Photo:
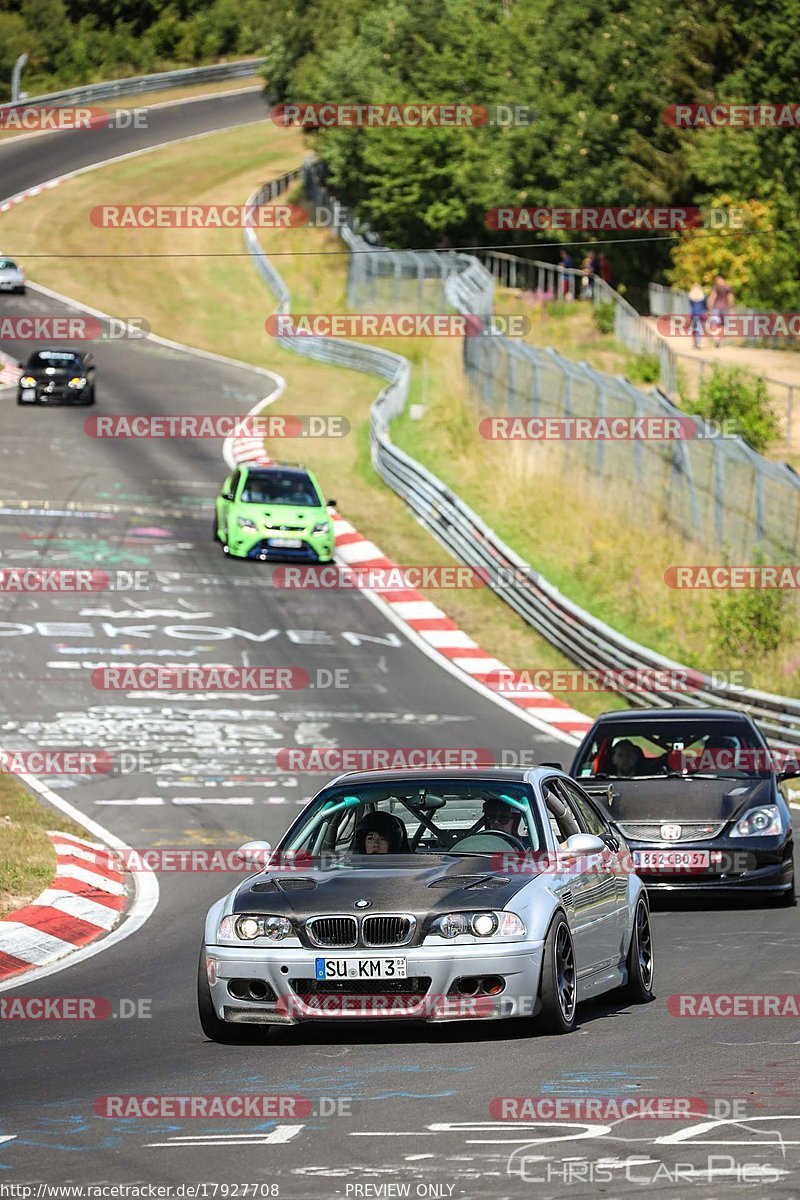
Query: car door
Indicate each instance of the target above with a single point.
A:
(573, 888)
(596, 822)
(223, 501)
(601, 881)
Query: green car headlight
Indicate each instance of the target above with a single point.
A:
(322, 527)
(245, 523)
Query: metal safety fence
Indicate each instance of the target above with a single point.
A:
(714, 490)
(467, 285)
(161, 80)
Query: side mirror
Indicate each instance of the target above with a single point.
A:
(792, 772)
(255, 855)
(22, 365)
(557, 765)
(330, 503)
(585, 844)
(227, 496)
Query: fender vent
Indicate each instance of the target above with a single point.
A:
(566, 896)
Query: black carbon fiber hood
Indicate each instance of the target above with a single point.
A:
(439, 884)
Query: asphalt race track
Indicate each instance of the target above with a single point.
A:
(404, 1106)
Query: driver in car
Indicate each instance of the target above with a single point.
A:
(501, 817)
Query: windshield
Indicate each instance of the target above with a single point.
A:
(6, 264)
(53, 358)
(281, 487)
(640, 749)
(368, 825)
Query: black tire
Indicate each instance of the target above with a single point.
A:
(214, 1029)
(640, 960)
(215, 528)
(558, 987)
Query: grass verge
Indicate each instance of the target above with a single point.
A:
(27, 858)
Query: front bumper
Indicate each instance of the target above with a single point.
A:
(12, 285)
(737, 865)
(518, 964)
(59, 396)
(313, 548)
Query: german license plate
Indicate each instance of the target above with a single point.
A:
(360, 968)
(285, 543)
(671, 860)
(29, 393)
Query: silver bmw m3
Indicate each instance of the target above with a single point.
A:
(431, 895)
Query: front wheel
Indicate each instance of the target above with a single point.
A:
(558, 989)
(640, 963)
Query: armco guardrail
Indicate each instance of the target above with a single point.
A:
(142, 83)
(585, 640)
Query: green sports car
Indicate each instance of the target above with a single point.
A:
(274, 512)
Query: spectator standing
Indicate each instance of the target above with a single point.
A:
(592, 270)
(605, 269)
(721, 303)
(698, 307)
(566, 263)
(586, 277)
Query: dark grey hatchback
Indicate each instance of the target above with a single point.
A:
(57, 377)
(695, 793)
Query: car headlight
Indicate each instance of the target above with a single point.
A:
(764, 821)
(479, 924)
(27, 381)
(322, 527)
(247, 928)
(245, 523)
(77, 381)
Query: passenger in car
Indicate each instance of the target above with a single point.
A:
(381, 833)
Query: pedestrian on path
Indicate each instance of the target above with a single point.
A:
(698, 307)
(721, 303)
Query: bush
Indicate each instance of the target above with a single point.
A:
(645, 368)
(742, 400)
(748, 623)
(604, 316)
